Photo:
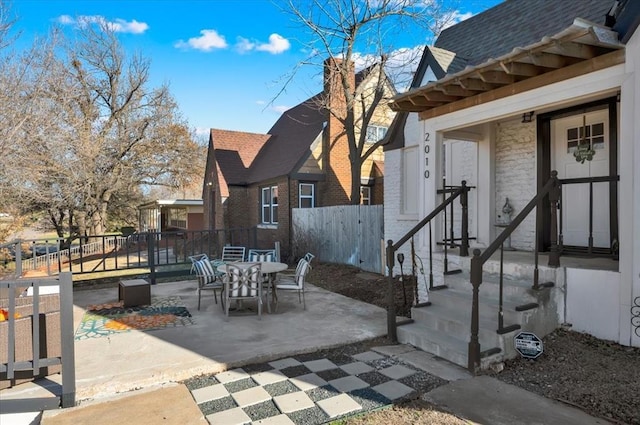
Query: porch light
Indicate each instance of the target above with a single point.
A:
(527, 117)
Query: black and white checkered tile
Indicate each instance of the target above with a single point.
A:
(304, 389)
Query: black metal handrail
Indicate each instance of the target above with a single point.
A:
(550, 189)
(461, 192)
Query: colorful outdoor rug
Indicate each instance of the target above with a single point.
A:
(111, 318)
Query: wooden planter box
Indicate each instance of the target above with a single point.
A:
(49, 337)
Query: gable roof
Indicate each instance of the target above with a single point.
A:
(246, 158)
(576, 49)
(235, 152)
(291, 139)
(514, 23)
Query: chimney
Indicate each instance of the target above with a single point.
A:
(338, 184)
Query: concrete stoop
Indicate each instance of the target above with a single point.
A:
(443, 328)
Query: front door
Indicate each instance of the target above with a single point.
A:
(579, 219)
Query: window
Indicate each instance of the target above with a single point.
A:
(594, 137)
(269, 205)
(306, 196)
(375, 133)
(177, 217)
(410, 179)
(365, 195)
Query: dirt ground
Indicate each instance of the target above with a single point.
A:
(600, 377)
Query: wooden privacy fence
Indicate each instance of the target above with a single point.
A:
(345, 234)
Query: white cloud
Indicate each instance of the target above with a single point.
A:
(280, 108)
(243, 45)
(455, 17)
(133, 27)
(65, 20)
(200, 131)
(118, 25)
(208, 40)
(277, 44)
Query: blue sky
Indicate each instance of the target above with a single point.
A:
(224, 60)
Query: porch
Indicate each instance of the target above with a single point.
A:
(517, 294)
(131, 360)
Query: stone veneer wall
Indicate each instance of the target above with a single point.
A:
(515, 176)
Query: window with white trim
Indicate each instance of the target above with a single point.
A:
(365, 195)
(410, 179)
(306, 195)
(375, 133)
(269, 205)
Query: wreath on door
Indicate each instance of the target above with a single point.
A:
(584, 151)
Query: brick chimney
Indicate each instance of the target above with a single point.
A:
(337, 188)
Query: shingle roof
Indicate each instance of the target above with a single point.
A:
(245, 158)
(508, 25)
(515, 23)
(235, 152)
(291, 138)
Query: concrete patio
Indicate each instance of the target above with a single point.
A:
(133, 360)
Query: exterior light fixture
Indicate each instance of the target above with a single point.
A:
(527, 117)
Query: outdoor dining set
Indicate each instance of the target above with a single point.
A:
(258, 275)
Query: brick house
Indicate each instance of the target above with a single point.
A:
(254, 180)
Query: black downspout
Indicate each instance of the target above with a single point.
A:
(290, 230)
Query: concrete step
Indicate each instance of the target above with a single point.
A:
(441, 344)
(458, 304)
(517, 265)
(514, 290)
(457, 322)
(444, 327)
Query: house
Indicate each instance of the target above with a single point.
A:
(501, 100)
(255, 180)
(166, 215)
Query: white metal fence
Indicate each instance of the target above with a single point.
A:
(345, 234)
(47, 255)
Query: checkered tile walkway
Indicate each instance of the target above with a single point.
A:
(302, 389)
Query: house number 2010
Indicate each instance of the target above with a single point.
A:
(427, 149)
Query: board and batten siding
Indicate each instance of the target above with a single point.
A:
(344, 234)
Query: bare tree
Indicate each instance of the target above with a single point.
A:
(106, 133)
(362, 33)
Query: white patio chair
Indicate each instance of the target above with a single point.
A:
(243, 283)
(208, 276)
(308, 257)
(233, 253)
(297, 282)
(195, 258)
(261, 255)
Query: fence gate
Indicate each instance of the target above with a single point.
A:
(345, 234)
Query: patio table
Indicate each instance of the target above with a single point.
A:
(270, 268)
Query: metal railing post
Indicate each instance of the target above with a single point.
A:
(473, 359)
(464, 202)
(554, 196)
(151, 258)
(18, 254)
(392, 333)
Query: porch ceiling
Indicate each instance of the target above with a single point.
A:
(582, 48)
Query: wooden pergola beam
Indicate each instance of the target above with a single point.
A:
(522, 69)
(581, 68)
